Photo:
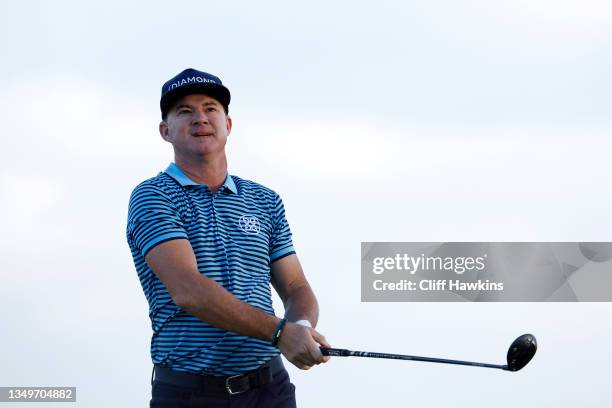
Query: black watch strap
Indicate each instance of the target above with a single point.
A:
(278, 331)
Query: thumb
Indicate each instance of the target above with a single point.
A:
(319, 338)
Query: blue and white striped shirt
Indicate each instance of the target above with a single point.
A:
(236, 234)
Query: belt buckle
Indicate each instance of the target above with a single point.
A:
(228, 387)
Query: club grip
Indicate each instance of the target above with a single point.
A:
(334, 352)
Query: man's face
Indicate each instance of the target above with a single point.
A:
(197, 127)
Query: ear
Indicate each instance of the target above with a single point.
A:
(228, 124)
(163, 130)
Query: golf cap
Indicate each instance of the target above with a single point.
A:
(189, 82)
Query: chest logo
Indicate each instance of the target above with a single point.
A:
(249, 224)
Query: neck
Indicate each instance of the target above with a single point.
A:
(204, 171)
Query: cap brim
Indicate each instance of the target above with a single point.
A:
(219, 92)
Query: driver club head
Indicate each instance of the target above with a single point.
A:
(521, 351)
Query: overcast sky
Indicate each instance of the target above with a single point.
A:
(375, 121)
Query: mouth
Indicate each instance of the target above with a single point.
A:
(202, 134)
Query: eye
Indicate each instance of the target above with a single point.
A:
(182, 111)
(212, 109)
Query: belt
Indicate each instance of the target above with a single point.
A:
(234, 384)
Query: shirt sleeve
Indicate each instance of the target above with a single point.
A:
(281, 245)
(153, 218)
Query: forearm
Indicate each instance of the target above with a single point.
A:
(300, 304)
(213, 304)
(299, 344)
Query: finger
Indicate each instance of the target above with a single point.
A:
(320, 358)
(313, 358)
(303, 366)
(319, 338)
(302, 363)
(316, 355)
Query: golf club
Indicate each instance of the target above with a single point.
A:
(521, 351)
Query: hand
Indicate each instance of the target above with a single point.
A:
(301, 346)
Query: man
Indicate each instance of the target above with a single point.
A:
(206, 246)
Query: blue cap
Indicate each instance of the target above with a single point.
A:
(189, 82)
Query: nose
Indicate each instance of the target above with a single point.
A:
(199, 118)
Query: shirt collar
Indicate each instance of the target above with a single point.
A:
(176, 173)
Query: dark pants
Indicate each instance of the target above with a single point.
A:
(280, 393)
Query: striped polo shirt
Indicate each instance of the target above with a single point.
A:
(236, 234)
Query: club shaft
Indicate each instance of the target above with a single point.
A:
(349, 353)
